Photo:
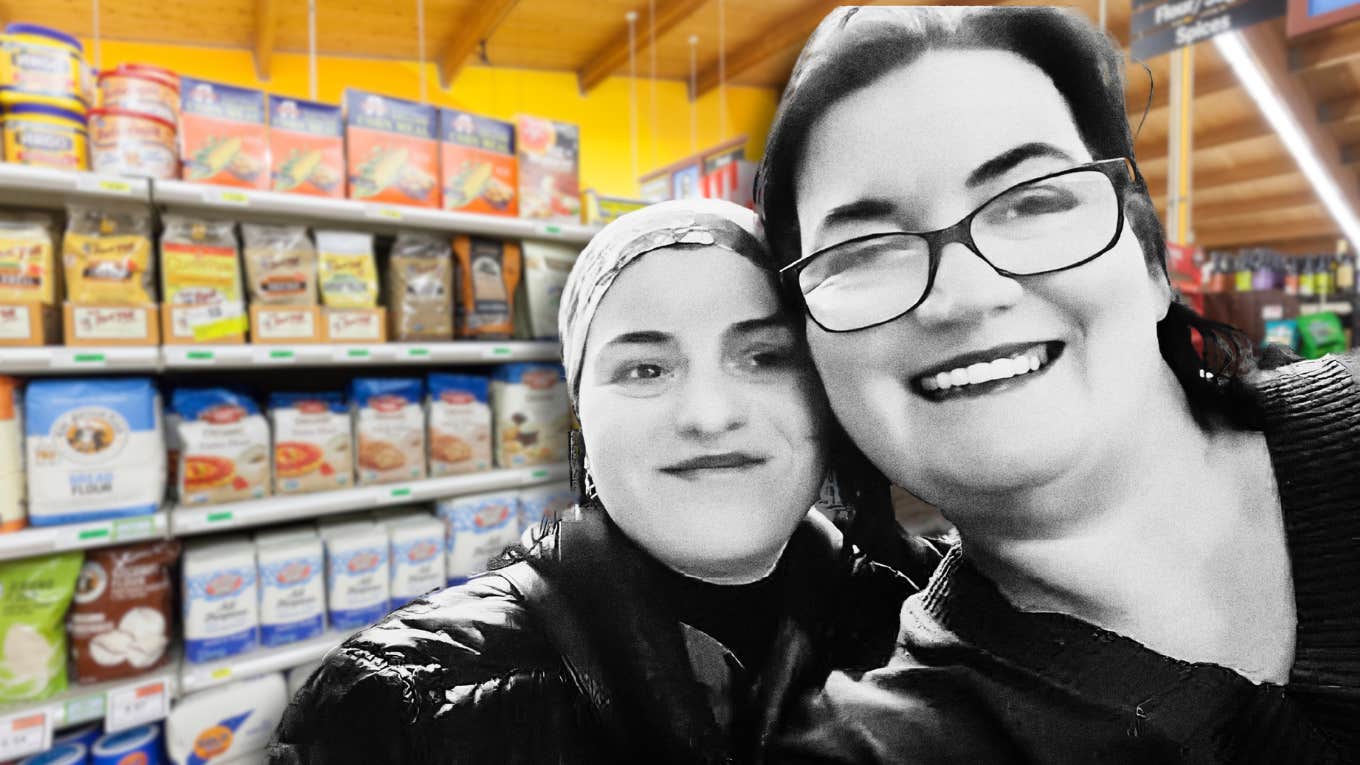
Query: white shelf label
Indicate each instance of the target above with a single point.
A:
(134, 705)
(393, 494)
(226, 197)
(497, 352)
(385, 213)
(24, 734)
(275, 356)
(99, 185)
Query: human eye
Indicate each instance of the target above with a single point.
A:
(1033, 201)
(639, 372)
(845, 265)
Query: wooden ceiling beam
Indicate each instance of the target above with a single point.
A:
(1204, 214)
(1206, 86)
(1238, 235)
(613, 55)
(1217, 139)
(469, 33)
(1332, 50)
(790, 31)
(1214, 179)
(1339, 111)
(266, 30)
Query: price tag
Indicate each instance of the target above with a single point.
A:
(101, 532)
(352, 354)
(496, 352)
(275, 356)
(1272, 312)
(134, 705)
(400, 494)
(417, 353)
(210, 322)
(225, 517)
(84, 709)
(221, 673)
(201, 356)
(538, 475)
(97, 184)
(388, 213)
(550, 229)
(86, 360)
(134, 528)
(24, 734)
(226, 197)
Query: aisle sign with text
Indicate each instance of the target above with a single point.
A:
(1161, 26)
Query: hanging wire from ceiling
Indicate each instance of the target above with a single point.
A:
(420, 47)
(722, 69)
(98, 51)
(693, 98)
(631, 16)
(656, 110)
(311, 49)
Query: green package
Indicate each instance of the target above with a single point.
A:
(34, 594)
(1320, 334)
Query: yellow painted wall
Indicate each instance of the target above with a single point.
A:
(603, 114)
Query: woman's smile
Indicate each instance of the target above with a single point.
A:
(990, 371)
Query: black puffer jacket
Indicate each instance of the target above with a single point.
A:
(570, 657)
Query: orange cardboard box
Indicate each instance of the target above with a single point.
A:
(355, 325)
(285, 324)
(477, 160)
(306, 147)
(392, 150)
(28, 324)
(222, 135)
(111, 325)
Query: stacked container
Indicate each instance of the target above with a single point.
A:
(135, 130)
(45, 91)
(12, 480)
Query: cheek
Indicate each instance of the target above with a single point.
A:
(863, 371)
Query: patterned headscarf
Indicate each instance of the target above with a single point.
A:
(699, 222)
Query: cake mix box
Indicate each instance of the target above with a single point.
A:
(392, 149)
(477, 159)
(460, 424)
(222, 134)
(389, 429)
(223, 446)
(549, 169)
(306, 147)
(313, 442)
(532, 414)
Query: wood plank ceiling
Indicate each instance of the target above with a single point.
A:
(1247, 189)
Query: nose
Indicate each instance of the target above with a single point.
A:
(710, 404)
(966, 289)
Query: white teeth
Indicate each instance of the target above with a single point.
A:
(986, 371)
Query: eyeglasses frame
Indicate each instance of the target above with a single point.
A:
(961, 232)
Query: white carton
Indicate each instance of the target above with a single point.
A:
(417, 557)
(357, 576)
(232, 722)
(221, 599)
(477, 528)
(292, 586)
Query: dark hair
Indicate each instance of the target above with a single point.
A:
(855, 47)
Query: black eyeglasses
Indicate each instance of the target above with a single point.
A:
(1052, 223)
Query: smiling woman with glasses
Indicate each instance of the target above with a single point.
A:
(1160, 550)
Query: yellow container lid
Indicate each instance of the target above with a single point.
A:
(11, 98)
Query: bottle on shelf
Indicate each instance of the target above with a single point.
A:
(1243, 272)
(1307, 277)
(1291, 275)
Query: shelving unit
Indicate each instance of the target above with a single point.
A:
(189, 521)
(43, 540)
(271, 206)
(197, 677)
(41, 187)
(62, 359)
(81, 704)
(184, 357)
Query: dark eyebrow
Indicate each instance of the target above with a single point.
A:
(773, 321)
(640, 338)
(859, 210)
(1005, 162)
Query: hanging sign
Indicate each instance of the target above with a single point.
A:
(1161, 26)
(1306, 16)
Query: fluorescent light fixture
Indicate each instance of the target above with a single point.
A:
(1235, 50)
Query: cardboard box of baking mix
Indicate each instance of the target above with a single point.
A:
(549, 169)
(29, 324)
(222, 134)
(392, 149)
(111, 325)
(306, 147)
(477, 159)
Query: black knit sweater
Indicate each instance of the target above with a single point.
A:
(977, 680)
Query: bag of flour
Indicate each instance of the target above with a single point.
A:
(94, 449)
(221, 599)
(389, 429)
(34, 594)
(121, 618)
(460, 424)
(223, 447)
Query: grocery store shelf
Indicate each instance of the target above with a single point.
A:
(47, 188)
(53, 359)
(197, 677)
(313, 210)
(187, 521)
(43, 540)
(314, 355)
(80, 704)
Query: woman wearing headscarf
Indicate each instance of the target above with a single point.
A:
(1160, 550)
(691, 592)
